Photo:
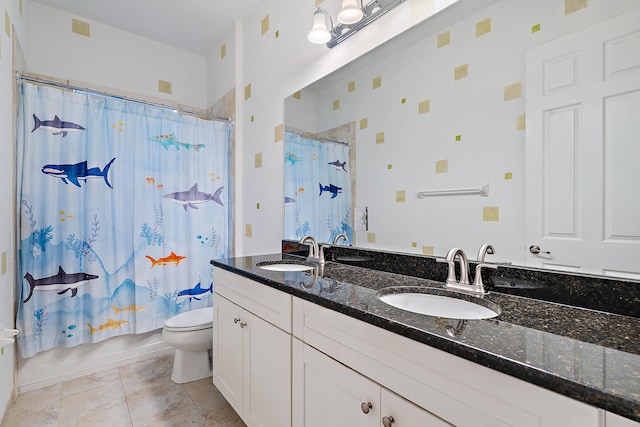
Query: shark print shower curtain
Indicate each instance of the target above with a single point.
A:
(317, 188)
(121, 207)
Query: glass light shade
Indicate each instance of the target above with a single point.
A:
(319, 32)
(350, 13)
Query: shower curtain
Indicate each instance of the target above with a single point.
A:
(317, 188)
(121, 207)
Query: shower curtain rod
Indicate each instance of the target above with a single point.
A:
(54, 83)
(314, 137)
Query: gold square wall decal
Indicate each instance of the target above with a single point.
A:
(513, 91)
(364, 123)
(571, 6)
(401, 196)
(265, 25)
(444, 39)
(521, 122)
(258, 160)
(278, 133)
(248, 230)
(427, 250)
(77, 26)
(460, 72)
(508, 175)
(351, 86)
(297, 95)
(371, 237)
(223, 51)
(377, 82)
(336, 105)
(442, 166)
(164, 86)
(247, 91)
(483, 27)
(424, 106)
(490, 213)
(379, 137)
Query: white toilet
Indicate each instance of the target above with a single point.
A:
(191, 334)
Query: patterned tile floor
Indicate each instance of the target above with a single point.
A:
(139, 394)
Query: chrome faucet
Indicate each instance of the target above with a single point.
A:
(338, 237)
(462, 284)
(315, 256)
(484, 250)
(452, 281)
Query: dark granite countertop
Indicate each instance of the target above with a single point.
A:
(585, 354)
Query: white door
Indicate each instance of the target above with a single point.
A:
(267, 373)
(327, 393)
(583, 150)
(227, 351)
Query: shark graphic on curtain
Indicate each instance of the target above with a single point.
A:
(121, 207)
(317, 188)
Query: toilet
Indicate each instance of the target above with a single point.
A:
(191, 334)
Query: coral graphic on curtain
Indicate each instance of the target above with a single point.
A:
(317, 188)
(121, 207)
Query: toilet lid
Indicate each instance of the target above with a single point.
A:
(195, 319)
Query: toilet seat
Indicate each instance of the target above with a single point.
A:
(194, 320)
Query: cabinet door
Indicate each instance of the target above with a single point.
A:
(327, 393)
(400, 412)
(267, 373)
(227, 351)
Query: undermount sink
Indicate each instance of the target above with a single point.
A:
(439, 303)
(284, 266)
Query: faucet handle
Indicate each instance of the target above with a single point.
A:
(477, 280)
(451, 275)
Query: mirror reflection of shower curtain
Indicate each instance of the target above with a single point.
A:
(121, 207)
(317, 187)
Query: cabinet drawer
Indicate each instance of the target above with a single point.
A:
(270, 304)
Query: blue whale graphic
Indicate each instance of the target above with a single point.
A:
(74, 173)
(56, 126)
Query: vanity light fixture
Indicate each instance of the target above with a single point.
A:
(352, 17)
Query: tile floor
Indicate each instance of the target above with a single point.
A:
(139, 394)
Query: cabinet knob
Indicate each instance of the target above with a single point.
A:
(365, 406)
(243, 324)
(387, 421)
(236, 320)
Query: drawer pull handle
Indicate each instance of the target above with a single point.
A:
(387, 421)
(365, 406)
(243, 324)
(236, 320)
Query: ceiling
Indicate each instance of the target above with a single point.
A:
(193, 25)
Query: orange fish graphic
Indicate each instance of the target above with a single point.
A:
(111, 324)
(171, 259)
(132, 307)
(150, 180)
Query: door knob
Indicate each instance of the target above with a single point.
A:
(365, 406)
(535, 249)
(387, 421)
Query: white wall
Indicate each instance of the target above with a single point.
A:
(282, 61)
(277, 63)
(114, 59)
(14, 12)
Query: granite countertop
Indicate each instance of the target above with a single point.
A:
(588, 355)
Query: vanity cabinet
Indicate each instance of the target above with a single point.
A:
(252, 349)
(453, 389)
(327, 393)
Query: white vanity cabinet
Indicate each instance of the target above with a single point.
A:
(453, 389)
(252, 349)
(327, 393)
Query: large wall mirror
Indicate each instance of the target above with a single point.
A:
(473, 130)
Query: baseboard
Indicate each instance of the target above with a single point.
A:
(63, 364)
